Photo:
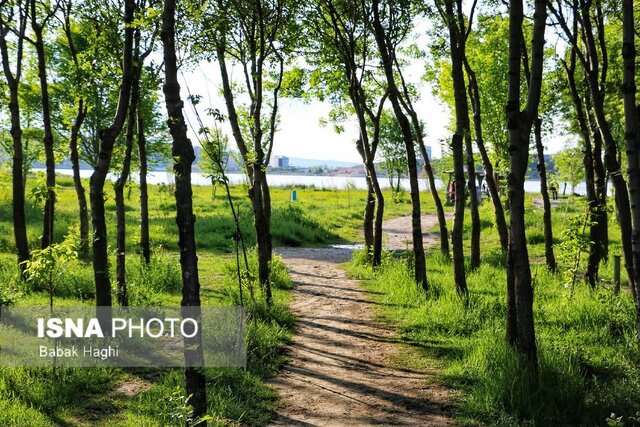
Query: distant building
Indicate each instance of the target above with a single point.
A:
(281, 162)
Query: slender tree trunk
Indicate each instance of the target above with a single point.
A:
(461, 136)
(472, 185)
(145, 245)
(519, 124)
(96, 184)
(442, 220)
(593, 263)
(544, 191)
(369, 209)
(474, 96)
(50, 163)
(83, 211)
(602, 217)
(377, 235)
(18, 182)
(184, 156)
(457, 231)
(632, 137)
(416, 226)
(121, 219)
(369, 213)
(261, 201)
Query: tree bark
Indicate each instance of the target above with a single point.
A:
(369, 212)
(544, 191)
(48, 141)
(121, 219)
(416, 226)
(472, 185)
(461, 136)
(632, 137)
(474, 96)
(83, 211)
(184, 156)
(108, 137)
(519, 124)
(145, 245)
(13, 81)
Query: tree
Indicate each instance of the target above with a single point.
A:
(577, 115)
(520, 325)
(38, 27)
(583, 27)
(257, 36)
(394, 14)
(632, 137)
(135, 126)
(344, 48)
(96, 184)
(76, 125)
(184, 156)
(16, 13)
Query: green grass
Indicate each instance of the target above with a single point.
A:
(589, 363)
(90, 396)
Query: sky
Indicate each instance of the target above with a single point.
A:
(300, 133)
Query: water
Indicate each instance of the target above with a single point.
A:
(318, 181)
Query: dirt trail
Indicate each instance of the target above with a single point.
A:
(397, 231)
(339, 372)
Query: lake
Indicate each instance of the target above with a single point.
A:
(318, 181)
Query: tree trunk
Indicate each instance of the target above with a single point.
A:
(145, 246)
(183, 154)
(593, 263)
(632, 136)
(456, 46)
(83, 211)
(416, 229)
(260, 201)
(544, 191)
(442, 220)
(601, 192)
(459, 273)
(519, 123)
(121, 219)
(369, 212)
(108, 137)
(474, 96)
(50, 163)
(18, 183)
(472, 185)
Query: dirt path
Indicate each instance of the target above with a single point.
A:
(397, 231)
(339, 372)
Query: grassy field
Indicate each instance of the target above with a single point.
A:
(92, 396)
(589, 359)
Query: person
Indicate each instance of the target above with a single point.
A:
(554, 192)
